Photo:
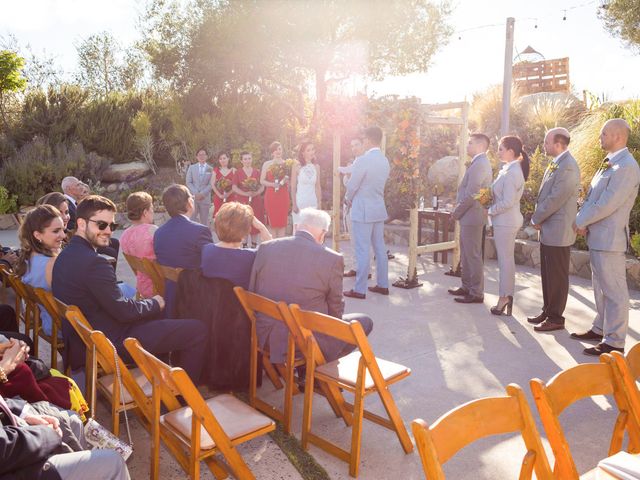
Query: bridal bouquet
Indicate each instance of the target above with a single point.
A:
(281, 172)
(224, 185)
(251, 185)
(484, 196)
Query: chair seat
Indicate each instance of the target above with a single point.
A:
(236, 418)
(106, 382)
(345, 370)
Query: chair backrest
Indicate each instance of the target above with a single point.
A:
(152, 267)
(565, 388)
(80, 324)
(136, 264)
(169, 273)
(633, 360)
(479, 419)
(254, 303)
(48, 301)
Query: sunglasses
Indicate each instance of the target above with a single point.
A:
(102, 225)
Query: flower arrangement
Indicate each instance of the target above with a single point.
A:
(605, 165)
(251, 185)
(484, 196)
(281, 172)
(552, 167)
(224, 185)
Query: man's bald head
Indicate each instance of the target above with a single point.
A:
(556, 141)
(614, 135)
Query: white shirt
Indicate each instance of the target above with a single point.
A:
(555, 160)
(70, 198)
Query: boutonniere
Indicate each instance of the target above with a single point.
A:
(605, 165)
(552, 167)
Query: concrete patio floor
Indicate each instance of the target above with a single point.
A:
(456, 353)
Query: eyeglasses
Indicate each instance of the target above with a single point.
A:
(102, 225)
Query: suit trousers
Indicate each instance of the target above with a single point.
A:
(505, 240)
(367, 235)
(471, 259)
(201, 213)
(554, 270)
(185, 339)
(89, 465)
(609, 277)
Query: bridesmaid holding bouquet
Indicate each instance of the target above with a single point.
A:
(222, 181)
(248, 190)
(275, 177)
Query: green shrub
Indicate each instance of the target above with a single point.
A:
(537, 165)
(8, 203)
(37, 168)
(635, 244)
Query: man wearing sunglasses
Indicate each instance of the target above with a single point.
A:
(83, 278)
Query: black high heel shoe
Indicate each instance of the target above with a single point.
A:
(497, 310)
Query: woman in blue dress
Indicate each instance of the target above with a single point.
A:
(41, 235)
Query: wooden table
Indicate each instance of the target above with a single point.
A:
(441, 220)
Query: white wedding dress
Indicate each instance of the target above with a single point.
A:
(306, 189)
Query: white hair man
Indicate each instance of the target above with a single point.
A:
(73, 190)
(300, 269)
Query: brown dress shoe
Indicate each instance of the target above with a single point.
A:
(469, 299)
(588, 336)
(380, 290)
(350, 273)
(458, 292)
(539, 319)
(353, 294)
(548, 326)
(600, 349)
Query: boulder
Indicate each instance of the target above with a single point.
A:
(633, 273)
(124, 172)
(444, 172)
(8, 221)
(112, 187)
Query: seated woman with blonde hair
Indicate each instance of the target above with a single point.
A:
(137, 240)
(227, 259)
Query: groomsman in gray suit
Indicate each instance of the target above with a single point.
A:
(604, 218)
(472, 217)
(555, 213)
(365, 196)
(199, 184)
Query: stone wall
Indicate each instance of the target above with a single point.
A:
(527, 252)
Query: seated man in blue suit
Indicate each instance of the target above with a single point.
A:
(178, 243)
(83, 278)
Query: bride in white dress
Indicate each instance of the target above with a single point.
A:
(305, 181)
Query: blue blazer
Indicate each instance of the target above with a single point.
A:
(178, 243)
(83, 278)
(365, 189)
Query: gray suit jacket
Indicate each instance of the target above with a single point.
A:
(605, 212)
(197, 183)
(507, 190)
(469, 211)
(558, 202)
(365, 189)
(296, 270)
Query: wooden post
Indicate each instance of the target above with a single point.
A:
(337, 204)
(506, 82)
(462, 155)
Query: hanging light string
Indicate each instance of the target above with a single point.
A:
(535, 20)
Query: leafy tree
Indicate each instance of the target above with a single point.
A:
(279, 47)
(622, 18)
(11, 79)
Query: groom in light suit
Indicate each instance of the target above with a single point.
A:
(365, 196)
(604, 218)
(555, 213)
(472, 217)
(199, 184)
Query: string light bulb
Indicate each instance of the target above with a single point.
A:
(565, 15)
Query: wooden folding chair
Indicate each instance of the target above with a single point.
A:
(169, 273)
(479, 419)
(32, 309)
(46, 300)
(565, 388)
(5, 271)
(202, 428)
(359, 372)
(626, 370)
(152, 267)
(252, 304)
(106, 381)
(22, 306)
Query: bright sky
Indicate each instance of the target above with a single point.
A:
(598, 62)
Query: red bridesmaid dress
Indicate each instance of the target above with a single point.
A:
(276, 204)
(217, 201)
(256, 202)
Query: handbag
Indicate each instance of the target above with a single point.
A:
(97, 436)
